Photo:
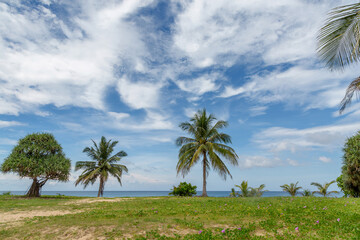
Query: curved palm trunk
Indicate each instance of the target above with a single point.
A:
(35, 188)
(204, 194)
(101, 187)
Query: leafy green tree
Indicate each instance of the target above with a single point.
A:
(340, 183)
(233, 193)
(339, 43)
(307, 193)
(244, 188)
(257, 192)
(351, 165)
(184, 189)
(39, 157)
(323, 188)
(292, 189)
(206, 142)
(103, 164)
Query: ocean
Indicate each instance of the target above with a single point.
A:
(112, 194)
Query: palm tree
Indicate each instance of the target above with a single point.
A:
(206, 142)
(307, 193)
(245, 190)
(292, 189)
(323, 188)
(339, 44)
(102, 165)
(233, 193)
(258, 192)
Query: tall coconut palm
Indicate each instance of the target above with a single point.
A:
(206, 143)
(244, 188)
(323, 188)
(292, 189)
(102, 166)
(257, 192)
(339, 43)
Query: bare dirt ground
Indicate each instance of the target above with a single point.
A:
(18, 216)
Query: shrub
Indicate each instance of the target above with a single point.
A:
(351, 166)
(184, 189)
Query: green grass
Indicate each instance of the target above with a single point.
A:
(183, 218)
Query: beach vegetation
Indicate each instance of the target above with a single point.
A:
(338, 44)
(103, 164)
(291, 188)
(184, 189)
(351, 166)
(40, 157)
(205, 143)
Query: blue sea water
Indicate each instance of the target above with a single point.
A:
(146, 193)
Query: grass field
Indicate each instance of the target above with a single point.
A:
(179, 218)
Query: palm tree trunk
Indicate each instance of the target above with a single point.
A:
(204, 194)
(101, 187)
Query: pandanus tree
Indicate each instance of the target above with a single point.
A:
(244, 188)
(339, 44)
(38, 156)
(102, 165)
(206, 143)
(292, 189)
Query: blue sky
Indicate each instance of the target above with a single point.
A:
(133, 70)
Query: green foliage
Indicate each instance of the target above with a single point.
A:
(184, 218)
(338, 43)
(6, 193)
(323, 188)
(102, 166)
(244, 188)
(40, 157)
(206, 143)
(292, 189)
(351, 165)
(257, 192)
(233, 193)
(184, 189)
(307, 193)
(340, 184)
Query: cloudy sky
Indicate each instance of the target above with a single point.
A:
(133, 70)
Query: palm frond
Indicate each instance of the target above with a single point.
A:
(339, 38)
(353, 88)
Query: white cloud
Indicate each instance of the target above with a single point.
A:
(200, 85)
(328, 137)
(139, 95)
(324, 159)
(258, 161)
(258, 110)
(119, 116)
(4, 124)
(218, 32)
(38, 68)
(7, 141)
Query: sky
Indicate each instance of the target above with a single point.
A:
(133, 70)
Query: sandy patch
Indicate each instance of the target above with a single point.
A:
(18, 216)
(96, 200)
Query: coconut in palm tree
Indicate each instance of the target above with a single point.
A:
(205, 144)
(292, 189)
(323, 188)
(102, 165)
